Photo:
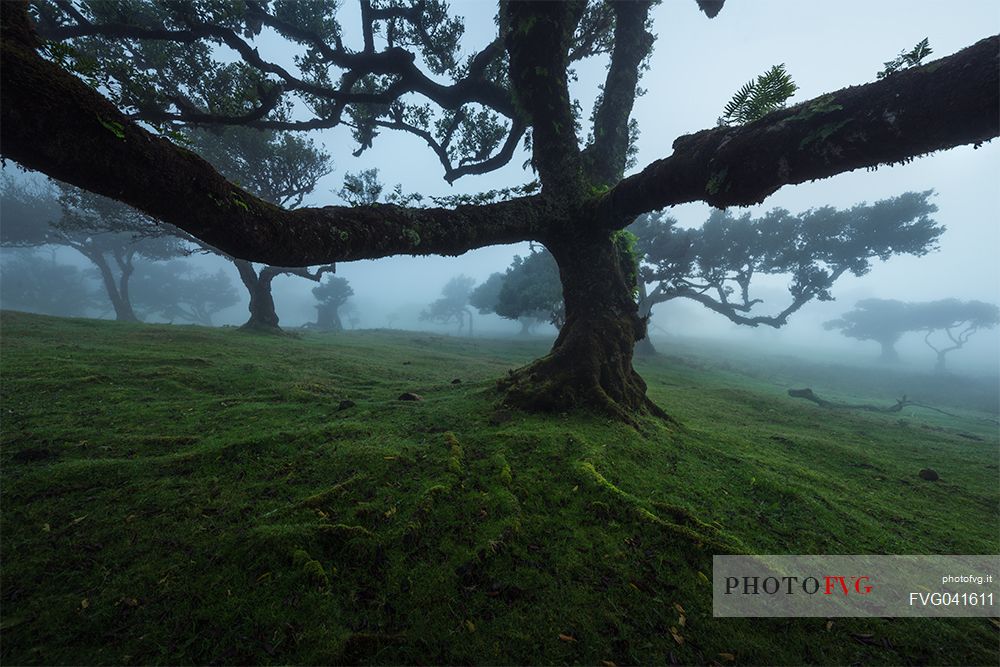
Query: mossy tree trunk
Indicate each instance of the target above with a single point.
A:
(590, 364)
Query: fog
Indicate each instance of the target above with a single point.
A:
(696, 67)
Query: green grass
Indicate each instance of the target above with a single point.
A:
(184, 495)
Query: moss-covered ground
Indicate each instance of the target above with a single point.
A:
(180, 495)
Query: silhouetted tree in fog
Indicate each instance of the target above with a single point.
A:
(529, 292)
(32, 282)
(958, 320)
(883, 321)
(279, 167)
(111, 235)
(178, 291)
(453, 306)
(717, 263)
(332, 294)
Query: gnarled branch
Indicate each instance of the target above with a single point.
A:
(43, 105)
(950, 102)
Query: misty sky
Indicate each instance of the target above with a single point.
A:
(696, 67)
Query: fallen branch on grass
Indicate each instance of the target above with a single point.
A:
(900, 403)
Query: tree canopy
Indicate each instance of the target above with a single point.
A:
(881, 320)
(453, 306)
(332, 294)
(528, 291)
(471, 111)
(716, 264)
(178, 292)
(110, 234)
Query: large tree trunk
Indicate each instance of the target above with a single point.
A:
(262, 314)
(590, 364)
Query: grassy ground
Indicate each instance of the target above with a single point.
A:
(186, 495)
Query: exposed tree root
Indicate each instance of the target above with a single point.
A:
(555, 384)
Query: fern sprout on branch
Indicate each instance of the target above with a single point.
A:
(759, 97)
(905, 60)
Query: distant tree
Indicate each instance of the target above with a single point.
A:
(881, 320)
(32, 282)
(885, 321)
(349, 312)
(332, 294)
(716, 263)
(959, 320)
(531, 291)
(485, 295)
(279, 167)
(109, 234)
(453, 304)
(178, 291)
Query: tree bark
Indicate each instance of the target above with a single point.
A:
(590, 364)
(263, 317)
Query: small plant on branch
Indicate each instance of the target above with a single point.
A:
(759, 97)
(907, 59)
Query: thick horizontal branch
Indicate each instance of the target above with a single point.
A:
(53, 122)
(947, 103)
